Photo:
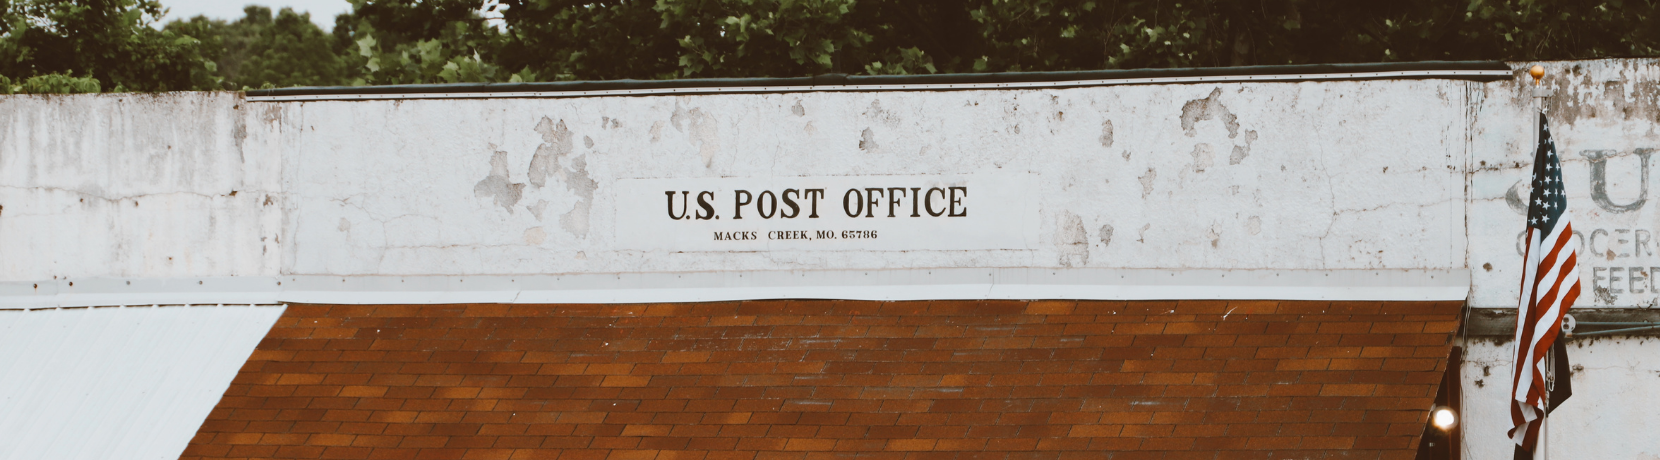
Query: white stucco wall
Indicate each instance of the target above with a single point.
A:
(1307, 178)
(1616, 382)
(1258, 176)
(132, 185)
(1608, 110)
(1604, 109)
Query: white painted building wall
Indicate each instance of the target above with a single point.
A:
(1126, 182)
(1150, 179)
(1383, 190)
(1604, 111)
(134, 185)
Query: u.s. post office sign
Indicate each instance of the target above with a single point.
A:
(891, 213)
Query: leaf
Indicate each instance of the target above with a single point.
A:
(451, 71)
(366, 45)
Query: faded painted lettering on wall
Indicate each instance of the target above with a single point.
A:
(957, 212)
(1618, 252)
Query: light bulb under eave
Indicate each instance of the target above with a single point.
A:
(1443, 418)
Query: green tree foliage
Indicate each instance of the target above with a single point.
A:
(55, 83)
(110, 41)
(1065, 35)
(726, 38)
(260, 50)
(707, 38)
(52, 83)
(442, 41)
(422, 41)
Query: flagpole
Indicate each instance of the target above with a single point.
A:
(1537, 106)
(1544, 420)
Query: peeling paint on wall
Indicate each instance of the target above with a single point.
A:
(867, 141)
(534, 236)
(1147, 181)
(537, 209)
(272, 114)
(1106, 135)
(1071, 241)
(875, 112)
(1203, 155)
(1621, 90)
(1209, 108)
(556, 144)
(496, 186)
(1242, 151)
(579, 182)
(703, 131)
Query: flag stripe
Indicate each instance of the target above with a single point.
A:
(1545, 317)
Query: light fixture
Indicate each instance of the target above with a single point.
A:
(1443, 418)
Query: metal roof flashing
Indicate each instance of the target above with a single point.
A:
(1481, 71)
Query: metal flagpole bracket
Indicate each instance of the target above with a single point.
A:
(1641, 326)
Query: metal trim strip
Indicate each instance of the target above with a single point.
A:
(1400, 74)
(906, 284)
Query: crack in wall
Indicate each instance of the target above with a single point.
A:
(120, 198)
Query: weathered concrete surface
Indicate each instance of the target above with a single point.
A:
(1233, 176)
(1605, 119)
(1614, 381)
(1605, 112)
(135, 185)
(1329, 175)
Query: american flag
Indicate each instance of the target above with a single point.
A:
(1550, 284)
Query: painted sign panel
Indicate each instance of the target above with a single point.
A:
(1603, 122)
(892, 213)
(1614, 229)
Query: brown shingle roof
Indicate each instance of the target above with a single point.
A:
(807, 380)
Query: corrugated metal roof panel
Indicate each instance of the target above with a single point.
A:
(132, 382)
